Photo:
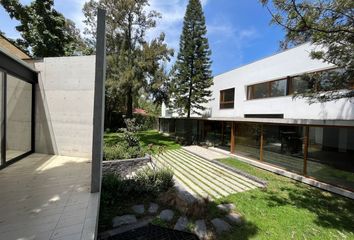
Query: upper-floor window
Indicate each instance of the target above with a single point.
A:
(227, 98)
(268, 89)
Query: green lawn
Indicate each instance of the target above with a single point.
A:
(157, 139)
(287, 209)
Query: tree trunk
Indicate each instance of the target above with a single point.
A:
(129, 103)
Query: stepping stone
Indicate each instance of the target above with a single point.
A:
(234, 218)
(153, 207)
(228, 207)
(139, 209)
(220, 225)
(200, 229)
(166, 215)
(181, 224)
(123, 220)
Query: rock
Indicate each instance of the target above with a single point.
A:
(234, 218)
(228, 207)
(200, 229)
(166, 215)
(220, 225)
(181, 224)
(153, 207)
(139, 209)
(123, 220)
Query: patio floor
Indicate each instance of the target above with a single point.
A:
(201, 177)
(47, 197)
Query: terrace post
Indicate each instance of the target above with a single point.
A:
(99, 98)
(306, 147)
(232, 141)
(261, 145)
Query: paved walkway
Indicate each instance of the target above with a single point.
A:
(47, 197)
(205, 153)
(201, 177)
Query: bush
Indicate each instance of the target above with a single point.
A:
(146, 182)
(131, 139)
(145, 122)
(127, 147)
(122, 151)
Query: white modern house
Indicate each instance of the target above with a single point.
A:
(253, 114)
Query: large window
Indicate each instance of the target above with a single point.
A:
(227, 98)
(331, 155)
(18, 117)
(267, 89)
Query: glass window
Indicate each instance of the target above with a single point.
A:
(278, 88)
(260, 91)
(283, 147)
(247, 140)
(299, 85)
(227, 98)
(331, 155)
(19, 117)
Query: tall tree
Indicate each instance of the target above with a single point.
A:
(134, 63)
(192, 76)
(330, 24)
(44, 31)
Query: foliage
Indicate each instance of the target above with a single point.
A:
(44, 31)
(192, 76)
(146, 182)
(328, 24)
(133, 63)
(122, 151)
(145, 122)
(287, 209)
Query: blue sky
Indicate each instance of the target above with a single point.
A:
(238, 30)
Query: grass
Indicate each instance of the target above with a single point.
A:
(157, 139)
(146, 137)
(287, 209)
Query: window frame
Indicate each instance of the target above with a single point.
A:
(223, 103)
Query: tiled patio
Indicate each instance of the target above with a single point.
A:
(47, 197)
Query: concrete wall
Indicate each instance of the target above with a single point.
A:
(288, 63)
(19, 117)
(64, 106)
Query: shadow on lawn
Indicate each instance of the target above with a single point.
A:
(155, 138)
(332, 210)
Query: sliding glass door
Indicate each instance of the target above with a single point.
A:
(18, 117)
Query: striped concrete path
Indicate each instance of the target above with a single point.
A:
(201, 177)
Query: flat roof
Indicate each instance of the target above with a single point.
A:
(284, 121)
(21, 62)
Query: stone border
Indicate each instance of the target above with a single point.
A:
(297, 177)
(249, 176)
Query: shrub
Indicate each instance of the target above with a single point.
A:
(131, 139)
(122, 151)
(146, 182)
(146, 122)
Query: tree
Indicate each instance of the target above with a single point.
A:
(192, 75)
(133, 62)
(44, 31)
(326, 23)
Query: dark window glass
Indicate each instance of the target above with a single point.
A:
(283, 147)
(260, 91)
(247, 140)
(278, 88)
(299, 85)
(227, 98)
(331, 155)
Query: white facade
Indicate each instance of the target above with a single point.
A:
(288, 63)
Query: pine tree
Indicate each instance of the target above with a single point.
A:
(192, 75)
